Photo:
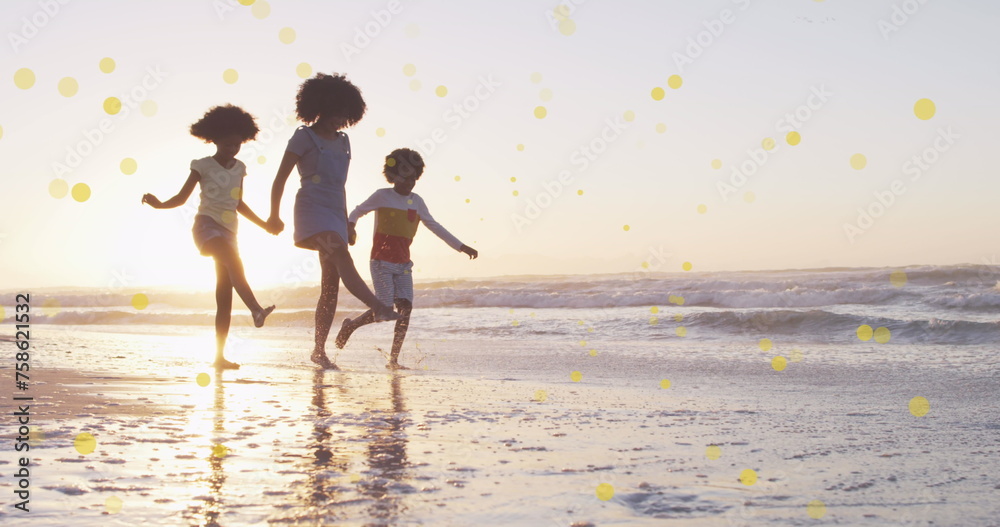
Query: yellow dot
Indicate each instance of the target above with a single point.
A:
(228, 216)
(716, 164)
(540, 112)
(380, 132)
(536, 77)
(286, 35)
(681, 331)
(467, 200)
(579, 192)
(580, 323)
(304, 70)
(107, 65)
(220, 451)
(316, 178)
(236, 193)
(924, 109)
(520, 148)
(865, 332)
(515, 323)
(626, 228)
(686, 266)
(112, 105)
(412, 31)
(230, 76)
(541, 396)
(3, 314)
(148, 107)
(779, 363)
(24, 78)
(567, 27)
(1, 132)
(409, 70)
(768, 144)
(661, 128)
(50, 307)
(629, 116)
(576, 376)
(85, 443)
(561, 12)
(58, 188)
(113, 505)
(415, 85)
(583, 343)
(128, 166)
(765, 344)
(882, 335)
(748, 477)
(713, 452)
(515, 193)
(458, 178)
(140, 301)
(261, 160)
(260, 9)
(816, 509)
(81, 192)
(593, 353)
(441, 91)
(897, 278)
(793, 138)
(795, 355)
(391, 162)
(655, 309)
(513, 179)
(859, 161)
(702, 209)
(678, 317)
(68, 86)
(605, 491)
(202, 379)
(247, 2)
(545, 95)
(675, 81)
(679, 300)
(657, 93)
(919, 406)
(664, 384)
(653, 321)
(749, 197)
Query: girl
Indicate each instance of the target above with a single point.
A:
(221, 179)
(322, 153)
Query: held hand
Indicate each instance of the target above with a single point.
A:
(152, 201)
(473, 254)
(352, 234)
(275, 225)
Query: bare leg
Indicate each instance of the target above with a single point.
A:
(352, 324)
(326, 308)
(332, 249)
(223, 315)
(227, 256)
(405, 307)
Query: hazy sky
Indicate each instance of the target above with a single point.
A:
(851, 70)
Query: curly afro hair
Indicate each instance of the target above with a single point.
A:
(403, 162)
(329, 95)
(222, 121)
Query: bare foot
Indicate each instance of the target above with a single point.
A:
(258, 317)
(223, 364)
(395, 366)
(323, 361)
(385, 314)
(346, 329)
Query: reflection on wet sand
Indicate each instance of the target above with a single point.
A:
(212, 503)
(387, 458)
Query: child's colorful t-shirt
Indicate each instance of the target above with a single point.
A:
(396, 220)
(220, 190)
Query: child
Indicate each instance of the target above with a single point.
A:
(221, 179)
(322, 153)
(398, 211)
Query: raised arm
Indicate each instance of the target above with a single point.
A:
(440, 231)
(278, 188)
(177, 200)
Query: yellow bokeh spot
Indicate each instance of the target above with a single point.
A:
(567, 27)
(653, 321)
(515, 323)
(85, 443)
(795, 355)
(467, 200)
(128, 166)
(304, 70)
(645, 265)
(748, 477)
(541, 396)
(148, 107)
(675, 81)
(58, 188)
(1, 132)
(236, 193)
(81, 192)
(140, 301)
(865, 332)
(68, 86)
(898, 278)
(664, 384)
(412, 30)
(661, 128)
(583, 343)
(749, 197)
(629, 115)
(702, 209)
(391, 162)
(924, 109)
(540, 112)
(686, 266)
(626, 228)
(768, 144)
(658, 93)
(228, 216)
(513, 179)
(779, 363)
(51, 307)
(107, 65)
(765, 344)
(202, 379)
(919, 406)
(859, 161)
(3, 314)
(793, 138)
(458, 178)
(520, 148)
(261, 160)
(24, 78)
(654, 310)
(561, 12)
(545, 95)
(576, 376)
(515, 193)
(441, 91)
(380, 132)
(536, 77)
(593, 353)
(579, 192)
(112, 105)
(247, 2)
(681, 331)
(816, 509)
(113, 505)
(409, 70)
(882, 335)
(230, 76)
(261, 9)
(678, 317)
(605, 491)
(415, 85)
(220, 451)
(286, 35)
(713, 452)
(716, 164)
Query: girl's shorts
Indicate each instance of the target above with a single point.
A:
(205, 228)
